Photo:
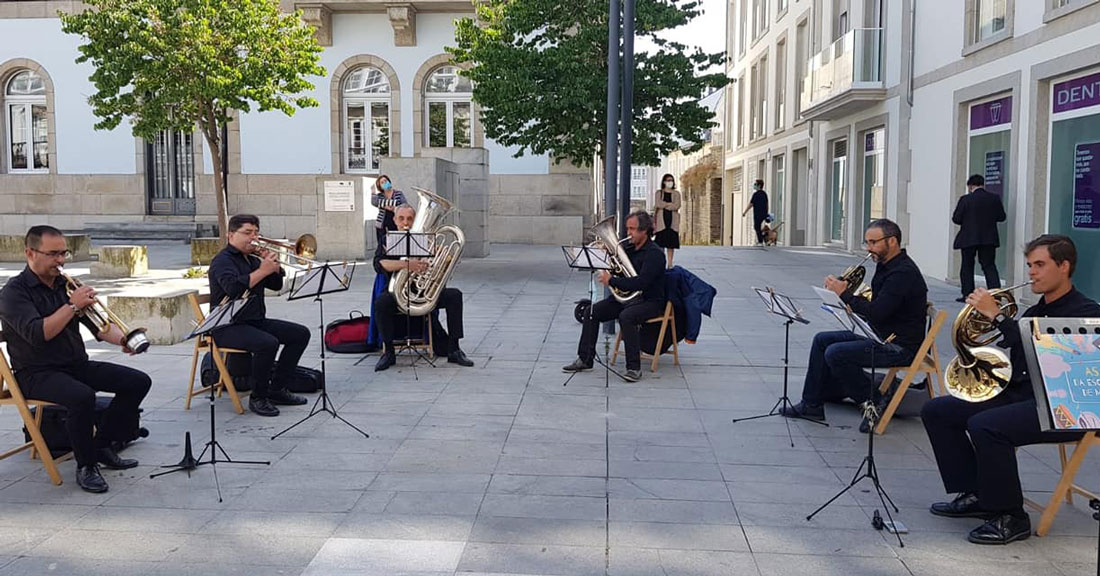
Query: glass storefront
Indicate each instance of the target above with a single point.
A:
(838, 187)
(1073, 198)
(990, 139)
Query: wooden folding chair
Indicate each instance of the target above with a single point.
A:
(667, 320)
(926, 361)
(1066, 487)
(11, 394)
(204, 343)
(422, 344)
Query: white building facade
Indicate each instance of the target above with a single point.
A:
(852, 110)
(391, 92)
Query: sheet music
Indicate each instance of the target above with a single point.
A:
(419, 245)
(309, 281)
(586, 258)
(829, 298)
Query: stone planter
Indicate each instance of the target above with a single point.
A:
(12, 247)
(121, 262)
(166, 315)
(203, 250)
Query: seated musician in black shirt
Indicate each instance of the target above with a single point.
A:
(40, 324)
(898, 307)
(649, 266)
(975, 442)
(385, 306)
(243, 267)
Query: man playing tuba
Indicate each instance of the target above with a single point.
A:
(648, 262)
(975, 442)
(386, 305)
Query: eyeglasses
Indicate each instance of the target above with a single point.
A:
(54, 253)
(874, 241)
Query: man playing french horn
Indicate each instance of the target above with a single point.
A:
(40, 319)
(386, 306)
(648, 263)
(975, 442)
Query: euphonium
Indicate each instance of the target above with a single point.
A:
(854, 276)
(607, 239)
(298, 254)
(418, 293)
(980, 371)
(103, 318)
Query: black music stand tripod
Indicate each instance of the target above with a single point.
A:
(221, 315)
(314, 283)
(407, 244)
(867, 468)
(592, 260)
(784, 307)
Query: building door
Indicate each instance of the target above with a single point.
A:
(874, 176)
(170, 173)
(800, 199)
(838, 191)
(779, 196)
(989, 154)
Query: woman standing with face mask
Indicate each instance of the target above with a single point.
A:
(386, 199)
(666, 216)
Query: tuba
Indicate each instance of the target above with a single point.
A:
(854, 276)
(980, 371)
(418, 293)
(103, 318)
(607, 239)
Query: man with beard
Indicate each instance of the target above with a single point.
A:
(898, 307)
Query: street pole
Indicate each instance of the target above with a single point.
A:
(626, 115)
(611, 143)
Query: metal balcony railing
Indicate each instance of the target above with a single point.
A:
(853, 61)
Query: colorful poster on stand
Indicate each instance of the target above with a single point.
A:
(1086, 185)
(1070, 364)
(994, 172)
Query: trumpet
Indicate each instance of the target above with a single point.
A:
(298, 254)
(104, 318)
(980, 371)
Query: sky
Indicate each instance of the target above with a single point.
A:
(708, 31)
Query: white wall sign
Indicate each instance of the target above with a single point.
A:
(340, 196)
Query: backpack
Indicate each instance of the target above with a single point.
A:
(349, 335)
(240, 369)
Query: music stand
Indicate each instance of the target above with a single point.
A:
(782, 306)
(219, 316)
(407, 244)
(867, 469)
(591, 259)
(314, 283)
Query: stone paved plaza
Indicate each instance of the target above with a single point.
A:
(500, 469)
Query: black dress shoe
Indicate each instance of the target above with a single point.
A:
(90, 480)
(459, 357)
(964, 505)
(262, 406)
(112, 461)
(1002, 529)
(804, 410)
(578, 365)
(385, 361)
(285, 398)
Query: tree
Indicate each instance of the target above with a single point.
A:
(182, 64)
(539, 69)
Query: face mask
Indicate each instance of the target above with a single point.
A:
(386, 186)
(668, 184)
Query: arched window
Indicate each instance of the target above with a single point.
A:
(448, 111)
(366, 119)
(28, 124)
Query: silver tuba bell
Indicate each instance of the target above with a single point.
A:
(418, 293)
(607, 239)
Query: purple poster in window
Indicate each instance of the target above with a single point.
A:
(992, 113)
(1078, 93)
(994, 172)
(1086, 196)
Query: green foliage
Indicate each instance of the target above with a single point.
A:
(540, 76)
(195, 272)
(182, 64)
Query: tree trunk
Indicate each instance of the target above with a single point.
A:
(211, 131)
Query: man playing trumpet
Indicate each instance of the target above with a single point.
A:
(975, 442)
(243, 267)
(386, 310)
(837, 359)
(40, 320)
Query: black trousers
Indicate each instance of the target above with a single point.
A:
(758, 226)
(75, 388)
(987, 256)
(262, 338)
(387, 315)
(630, 317)
(985, 462)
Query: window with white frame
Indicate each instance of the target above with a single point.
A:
(759, 18)
(366, 119)
(990, 18)
(780, 85)
(743, 21)
(27, 122)
(448, 109)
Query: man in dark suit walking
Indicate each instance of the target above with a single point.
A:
(977, 215)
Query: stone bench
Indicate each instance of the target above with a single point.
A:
(166, 315)
(121, 262)
(12, 247)
(203, 250)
